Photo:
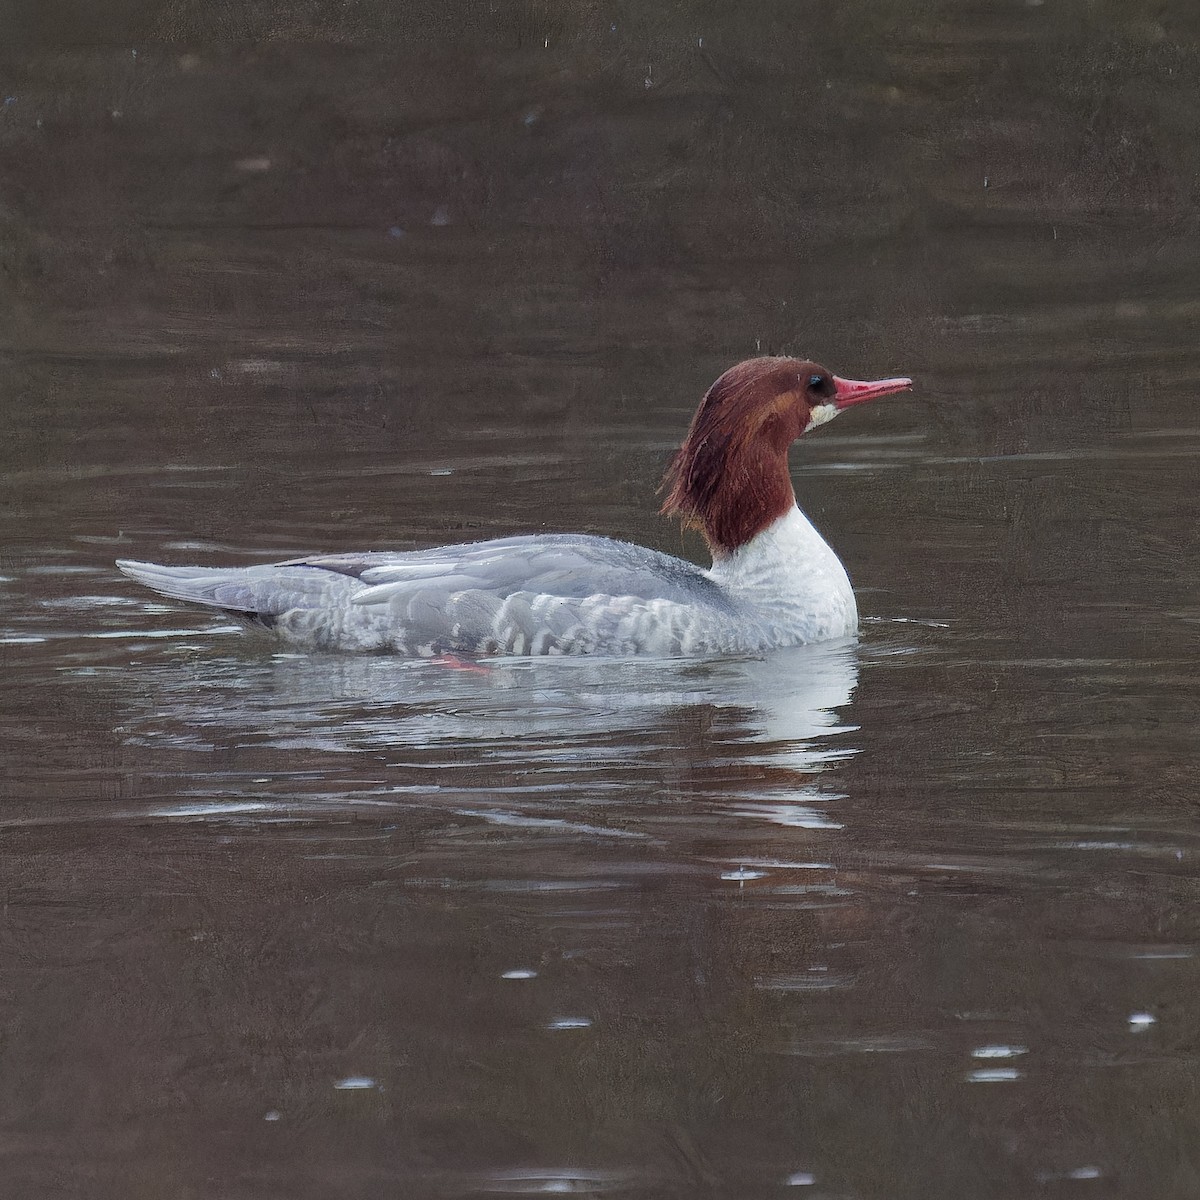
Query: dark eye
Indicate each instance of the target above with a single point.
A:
(819, 384)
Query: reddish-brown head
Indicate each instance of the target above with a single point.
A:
(730, 477)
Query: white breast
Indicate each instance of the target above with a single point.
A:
(793, 580)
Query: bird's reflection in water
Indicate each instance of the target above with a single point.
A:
(513, 739)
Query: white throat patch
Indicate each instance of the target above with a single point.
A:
(820, 414)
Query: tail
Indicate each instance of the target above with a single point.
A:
(215, 587)
(257, 593)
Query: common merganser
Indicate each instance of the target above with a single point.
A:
(773, 581)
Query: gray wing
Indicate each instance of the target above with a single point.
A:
(547, 595)
(569, 566)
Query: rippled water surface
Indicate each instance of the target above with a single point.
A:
(912, 917)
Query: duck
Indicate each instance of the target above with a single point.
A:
(773, 582)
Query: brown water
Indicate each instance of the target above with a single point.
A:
(914, 919)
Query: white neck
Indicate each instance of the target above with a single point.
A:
(793, 578)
